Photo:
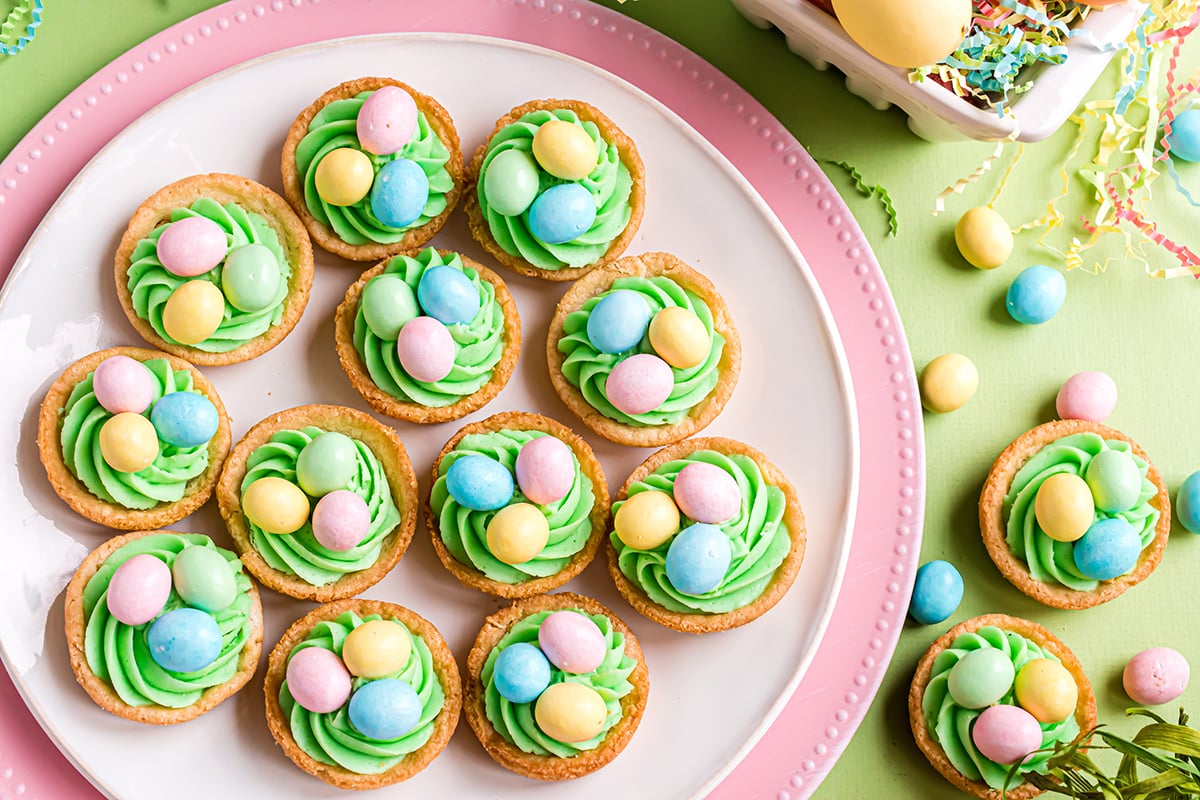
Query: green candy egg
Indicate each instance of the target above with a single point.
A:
(204, 579)
(387, 304)
(510, 183)
(326, 464)
(1114, 480)
(250, 278)
(981, 678)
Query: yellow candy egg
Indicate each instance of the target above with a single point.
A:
(517, 533)
(1047, 690)
(275, 505)
(193, 312)
(905, 33)
(564, 150)
(983, 238)
(1064, 507)
(948, 382)
(128, 442)
(344, 176)
(646, 520)
(679, 337)
(570, 712)
(377, 649)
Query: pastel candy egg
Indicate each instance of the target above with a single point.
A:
(1109, 548)
(251, 277)
(517, 533)
(275, 505)
(386, 120)
(191, 246)
(318, 680)
(570, 712)
(193, 312)
(1087, 395)
(698, 559)
(639, 384)
(327, 463)
(646, 520)
(1036, 295)
(1046, 690)
(510, 182)
(185, 419)
(565, 150)
(385, 709)
(1156, 676)
(204, 579)
(399, 194)
(128, 442)
(138, 590)
(341, 520)
(981, 678)
(1006, 734)
(1114, 480)
(376, 649)
(562, 213)
(388, 303)
(1063, 507)
(184, 640)
(121, 383)
(572, 642)
(448, 295)
(344, 176)
(1187, 503)
(706, 493)
(983, 238)
(618, 321)
(937, 593)
(948, 382)
(521, 673)
(425, 349)
(479, 483)
(1185, 136)
(679, 337)
(545, 470)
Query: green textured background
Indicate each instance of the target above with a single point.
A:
(1138, 330)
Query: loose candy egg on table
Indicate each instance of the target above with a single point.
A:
(388, 303)
(706, 493)
(618, 321)
(275, 505)
(479, 483)
(327, 463)
(1006, 734)
(386, 121)
(344, 176)
(545, 470)
(250, 278)
(128, 442)
(1064, 507)
(399, 194)
(983, 238)
(184, 640)
(521, 673)
(340, 520)
(517, 533)
(426, 349)
(191, 246)
(572, 642)
(937, 593)
(121, 383)
(204, 579)
(905, 33)
(193, 312)
(377, 649)
(562, 213)
(138, 590)
(1114, 480)
(318, 680)
(1036, 295)
(948, 382)
(1185, 136)
(1087, 395)
(698, 559)
(646, 520)
(1187, 503)
(1110, 548)
(570, 712)
(679, 337)
(385, 709)
(510, 183)
(448, 295)
(565, 150)
(1047, 690)
(981, 678)
(639, 384)
(185, 419)
(1156, 676)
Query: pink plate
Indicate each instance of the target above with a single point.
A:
(831, 699)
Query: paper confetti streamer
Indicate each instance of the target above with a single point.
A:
(960, 185)
(28, 12)
(869, 190)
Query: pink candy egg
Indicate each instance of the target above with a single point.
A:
(121, 384)
(707, 493)
(318, 680)
(386, 121)
(1156, 676)
(1006, 734)
(1087, 395)
(139, 589)
(192, 246)
(639, 384)
(341, 520)
(572, 642)
(545, 470)
(425, 349)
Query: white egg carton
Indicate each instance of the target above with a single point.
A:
(935, 112)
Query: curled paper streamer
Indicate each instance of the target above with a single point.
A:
(960, 186)
(869, 190)
(27, 11)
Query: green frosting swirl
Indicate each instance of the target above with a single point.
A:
(950, 723)
(609, 183)
(331, 738)
(1050, 561)
(515, 721)
(164, 481)
(464, 531)
(587, 369)
(758, 537)
(150, 284)
(478, 345)
(300, 553)
(335, 126)
(119, 655)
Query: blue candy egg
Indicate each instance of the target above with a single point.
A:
(936, 593)
(521, 673)
(184, 640)
(448, 295)
(1187, 503)
(479, 483)
(1185, 136)
(185, 419)
(1109, 548)
(1036, 295)
(698, 558)
(399, 193)
(618, 322)
(562, 213)
(385, 709)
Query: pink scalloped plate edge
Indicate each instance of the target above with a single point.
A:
(828, 705)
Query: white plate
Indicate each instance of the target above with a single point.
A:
(711, 697)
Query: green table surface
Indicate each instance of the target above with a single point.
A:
(1137, 329)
